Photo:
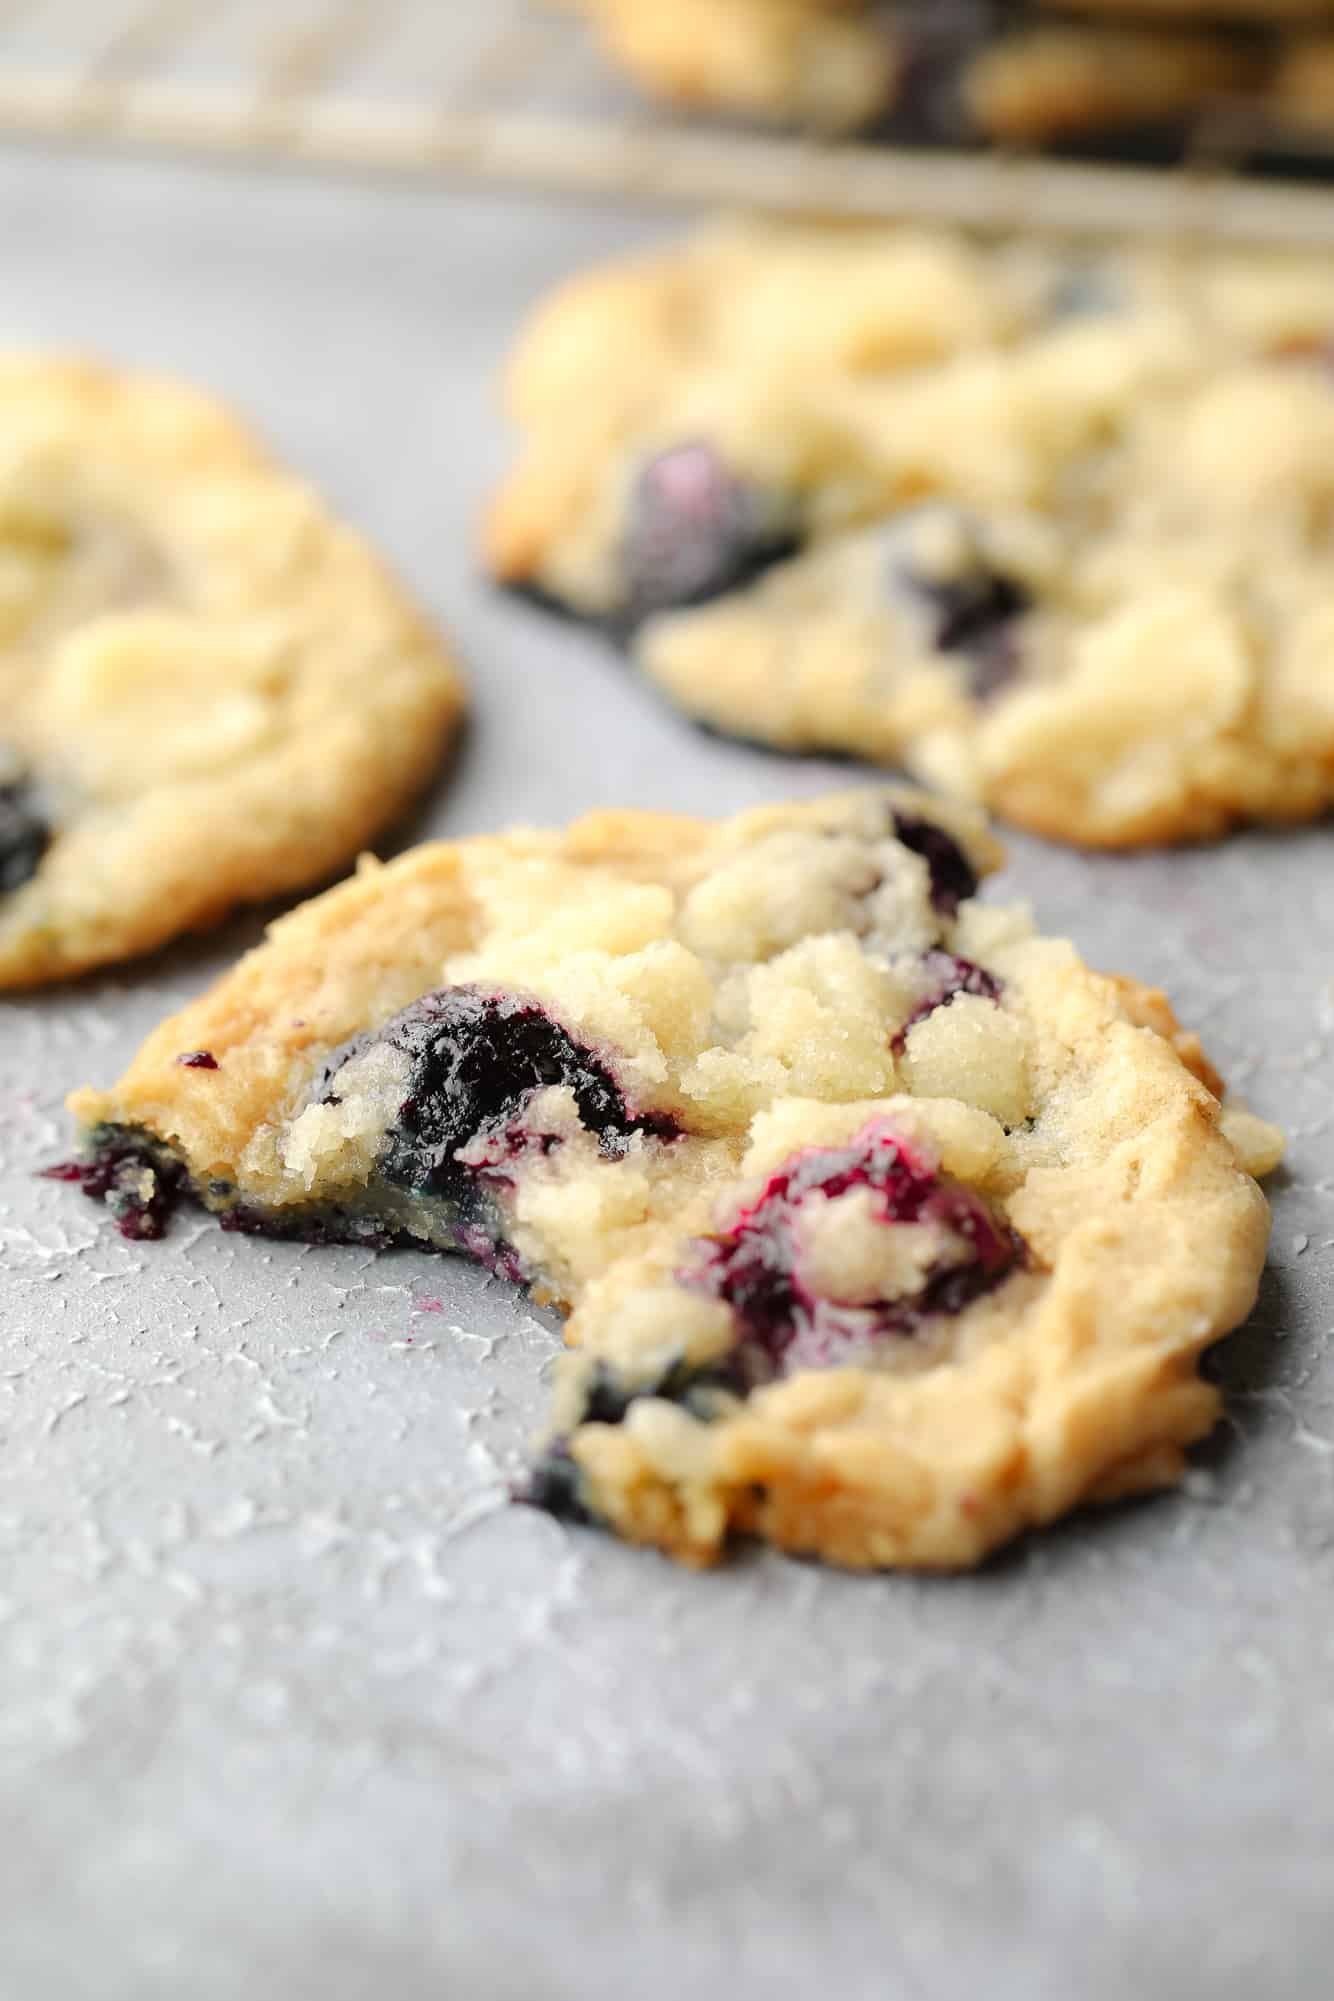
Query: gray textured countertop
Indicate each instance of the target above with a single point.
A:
(291, 1703)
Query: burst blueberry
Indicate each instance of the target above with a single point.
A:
(783, 1321)
(476, 1060)
(694, 530)
(953, 877)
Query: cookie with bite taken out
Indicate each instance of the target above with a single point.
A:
(883, 1227)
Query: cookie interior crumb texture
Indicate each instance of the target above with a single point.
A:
(884, 1227)
(1049, 528)
(210, 691)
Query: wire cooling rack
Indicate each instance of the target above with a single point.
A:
(511, 91)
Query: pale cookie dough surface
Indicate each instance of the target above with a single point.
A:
(210, 691)
(1053, 530)
(885, 1228)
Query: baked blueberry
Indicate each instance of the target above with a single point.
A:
(938, 561)
(608, 1394)
(25, 834)
(556, 1487)
(138, 1180)
(946, 976)
(784, 1313)
(973, 610)
(475, 1061)
(953, 878)
(695, 530)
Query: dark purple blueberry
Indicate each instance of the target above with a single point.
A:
(555, 1485)
(609, 1395)
(695, 530)
(25, 834)
(946, 976)
(972, 614)
(756, 1266)
(953, 877)
(139, 1182)
(198, 1059)
(971, 609)
(476, 1060)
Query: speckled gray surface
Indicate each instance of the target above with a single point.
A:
(291, 1703)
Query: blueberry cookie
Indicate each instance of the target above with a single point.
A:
(1045, 83)
(884, 1226)
(831, 64)
(210, 692)
(1052, 530)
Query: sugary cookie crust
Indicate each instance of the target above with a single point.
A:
(884, 1226)
(210, 691)
(1051, 529)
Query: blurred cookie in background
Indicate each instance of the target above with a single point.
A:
(211, 692)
